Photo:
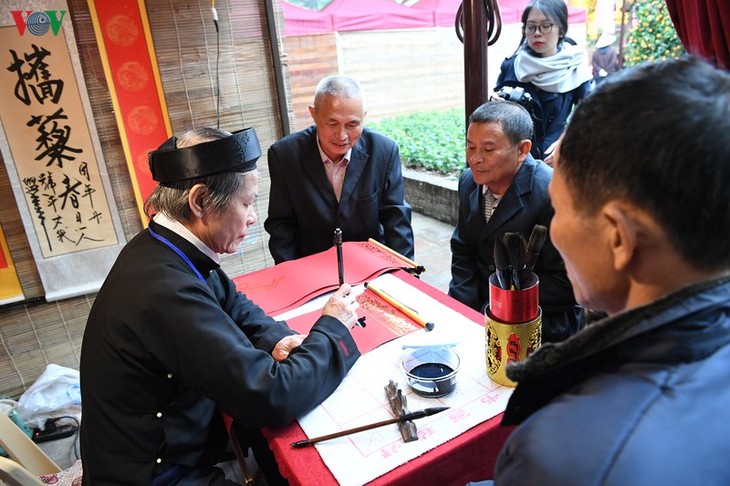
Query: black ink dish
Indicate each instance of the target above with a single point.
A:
(431, 371)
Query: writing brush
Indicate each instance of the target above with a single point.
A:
(403, 418)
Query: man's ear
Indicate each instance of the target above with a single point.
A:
(312, 111)
(623, 231)
(196, 199)
(524, 148)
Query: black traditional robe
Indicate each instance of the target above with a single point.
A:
(164, 353)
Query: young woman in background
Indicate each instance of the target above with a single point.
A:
(551, 68)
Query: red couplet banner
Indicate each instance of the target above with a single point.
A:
(125, 44)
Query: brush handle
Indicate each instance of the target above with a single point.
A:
(534, 245)
(515, 245)
(531, 261)
(337, 240)
(501, 265)
(517, 279)
(503, 278)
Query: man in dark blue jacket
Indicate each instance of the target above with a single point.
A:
(336, 174)
(502, 170)
(642, 222)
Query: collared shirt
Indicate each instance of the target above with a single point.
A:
(492, 199)
(335, 171)
(173, 225)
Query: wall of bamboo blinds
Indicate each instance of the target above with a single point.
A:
(34, 333)
(185, 43)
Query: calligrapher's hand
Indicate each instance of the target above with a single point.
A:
(343, 306)
(283, 348)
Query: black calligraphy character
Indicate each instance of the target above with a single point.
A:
(53, 138)
(61, 235)
(51, 200)
(95, 216)
(88, 191)
(70, 193)
(31, 189)
(45, 180)
(37, 71)
(84, 171)
(78, 217)
(21, 89)
(84, 237)
(58, 221)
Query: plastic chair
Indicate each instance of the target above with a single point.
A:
(13, 474)
(23, 450)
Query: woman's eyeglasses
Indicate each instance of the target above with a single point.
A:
(544, 28)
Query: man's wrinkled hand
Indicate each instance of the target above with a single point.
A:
(283, 348)
(342, 305)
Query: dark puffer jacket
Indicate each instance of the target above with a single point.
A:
(638, 398)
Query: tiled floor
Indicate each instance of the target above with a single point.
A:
(433, 250)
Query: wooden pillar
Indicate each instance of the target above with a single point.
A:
(475, 54)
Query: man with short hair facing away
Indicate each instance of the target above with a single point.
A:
(642, 220)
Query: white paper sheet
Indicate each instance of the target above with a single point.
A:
(360, 399)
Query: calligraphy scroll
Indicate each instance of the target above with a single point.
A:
(52, 153)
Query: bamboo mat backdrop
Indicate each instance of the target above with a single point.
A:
(34, 333)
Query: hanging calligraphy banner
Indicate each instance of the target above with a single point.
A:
(52, 153)
(125, 45)
(10, 290)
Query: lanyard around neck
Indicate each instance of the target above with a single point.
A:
(177, 250)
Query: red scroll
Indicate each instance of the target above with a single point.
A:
(125, 44)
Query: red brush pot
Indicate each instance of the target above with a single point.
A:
(514, 306)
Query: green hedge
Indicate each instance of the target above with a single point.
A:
(434, 141)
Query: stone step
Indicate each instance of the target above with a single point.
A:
(432, 195)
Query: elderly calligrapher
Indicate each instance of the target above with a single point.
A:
(170, 343)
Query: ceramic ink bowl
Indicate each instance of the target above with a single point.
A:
(431, 370)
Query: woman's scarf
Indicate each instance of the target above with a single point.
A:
(559, 73)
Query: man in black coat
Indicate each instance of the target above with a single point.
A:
(171, 345)
(336, 174)
(502, 169)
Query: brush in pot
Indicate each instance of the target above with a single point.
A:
(534, 245)
(515, 245)
(501, 265)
